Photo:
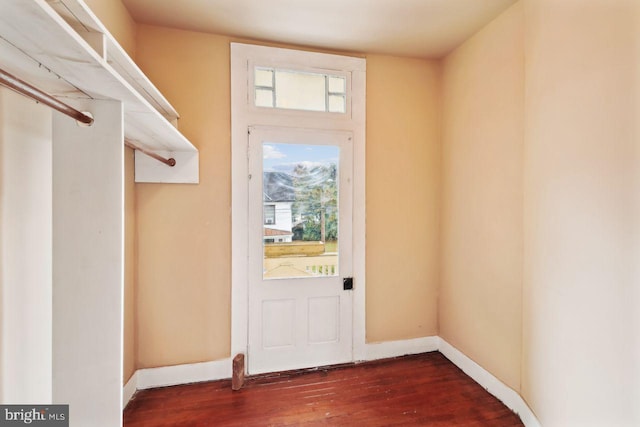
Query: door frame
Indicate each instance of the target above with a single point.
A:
(244, 115)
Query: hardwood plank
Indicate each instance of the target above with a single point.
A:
(424, 389)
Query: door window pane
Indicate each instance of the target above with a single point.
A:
(300, 193)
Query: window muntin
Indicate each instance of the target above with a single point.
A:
(299, 90)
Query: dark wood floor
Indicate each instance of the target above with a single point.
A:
(424, 389)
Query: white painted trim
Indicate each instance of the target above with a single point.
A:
(129, 389)
(493, 385)
(88, 263)
(143, 379)
(358, 227)
(243, 116)
(183, 374)
(384, 350)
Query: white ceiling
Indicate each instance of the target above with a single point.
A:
(419, 28)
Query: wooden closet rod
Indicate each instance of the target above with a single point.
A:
(24, 88)
(169, 162)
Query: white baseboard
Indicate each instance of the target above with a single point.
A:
(222, 369)
(129, 389)
(384, 350)
(183, 374)
(497, 388)
(175, 375)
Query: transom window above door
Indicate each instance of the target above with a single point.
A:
(299, 90)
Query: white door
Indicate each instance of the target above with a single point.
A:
(300, 248)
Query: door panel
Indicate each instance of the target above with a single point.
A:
(278, 318)
(324, 320)
(300, 245)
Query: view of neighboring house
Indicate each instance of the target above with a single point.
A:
(278, 198)
(280, 225)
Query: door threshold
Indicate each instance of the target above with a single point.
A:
(280, 375)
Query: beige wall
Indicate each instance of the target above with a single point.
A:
(115, 16)
(130, 270)
(184, 231)
(184, 270)
(482, 138)
(573, 239)
(581, 332)
(402, 199)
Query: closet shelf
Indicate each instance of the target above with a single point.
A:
(62, 48)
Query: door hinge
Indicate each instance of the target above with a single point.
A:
(347, 283)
